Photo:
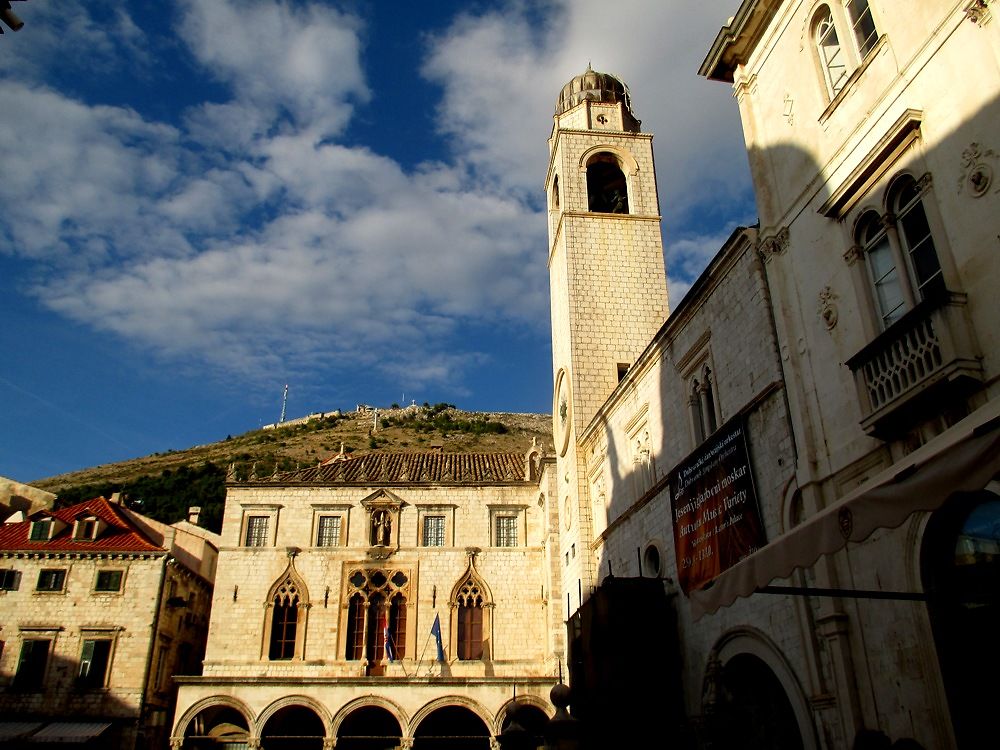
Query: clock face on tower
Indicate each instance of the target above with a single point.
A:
(562, 412)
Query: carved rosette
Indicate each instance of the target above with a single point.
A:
(977, 172)
(978, 11)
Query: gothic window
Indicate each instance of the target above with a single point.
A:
(607, 188)
(832, 58)
(355, 628)
(285, 619)
(471, 610)
(555, 193)
(470, 622)
(256, 534)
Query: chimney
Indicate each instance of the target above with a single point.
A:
(437, 447)
(116, 498)
(193, 513)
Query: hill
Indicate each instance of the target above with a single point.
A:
(164, 485)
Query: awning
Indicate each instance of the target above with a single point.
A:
(12, 730)
(964, 458)
(70, 731)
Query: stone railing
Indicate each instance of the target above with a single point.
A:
(930, 350)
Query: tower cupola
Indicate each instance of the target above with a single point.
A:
(604, 88)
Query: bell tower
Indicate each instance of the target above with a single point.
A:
(607, 283)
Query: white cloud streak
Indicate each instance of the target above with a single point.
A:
(249, 236)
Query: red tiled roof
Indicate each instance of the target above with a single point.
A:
(404, 468)
(119, 536)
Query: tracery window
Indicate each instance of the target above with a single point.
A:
(376, 617)
(284, 621)
(470, 622)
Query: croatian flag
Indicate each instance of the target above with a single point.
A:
(390, 652)
(436, 632)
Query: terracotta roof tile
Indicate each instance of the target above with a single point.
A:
(404, 468)
(119, 536)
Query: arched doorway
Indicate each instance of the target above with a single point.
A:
(452, 728)
(960, 566)
(369, 728)
(752, 711)
(293, 728)
(217, 728)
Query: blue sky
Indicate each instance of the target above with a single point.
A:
(203, 201)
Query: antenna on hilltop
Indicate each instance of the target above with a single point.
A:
(284, 400)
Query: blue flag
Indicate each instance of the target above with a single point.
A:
(436, 632)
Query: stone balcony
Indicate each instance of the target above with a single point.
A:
(928, 354)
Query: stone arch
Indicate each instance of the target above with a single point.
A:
(791, 506)
(451, 700)
(610, 176)
(374, 701)
(522, 700)
(626, 161)
(750, 642)
(216, 701)
(294, 702)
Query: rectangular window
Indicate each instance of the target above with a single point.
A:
(433, 531)
(30, 673)
(94, 660)
(506, 531)
(256, 531)
(10, 580)
(108, 580)
(40, 531)
(329, 531)
(51, 580)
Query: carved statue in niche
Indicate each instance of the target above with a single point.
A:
(381, 528)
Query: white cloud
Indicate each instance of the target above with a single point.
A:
(246, 236)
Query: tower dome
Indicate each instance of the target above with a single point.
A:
(595, 87)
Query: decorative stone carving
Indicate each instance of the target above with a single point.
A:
(853, 254)
(978, 11)
(977, 173)
(775, 244)
(828, 308)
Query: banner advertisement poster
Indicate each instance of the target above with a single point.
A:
(714, 507)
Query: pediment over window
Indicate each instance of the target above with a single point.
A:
(383, 500)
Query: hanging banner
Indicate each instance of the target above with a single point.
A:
(714, 507)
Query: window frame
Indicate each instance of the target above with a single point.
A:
(855, 53)
(87, 681)
(27, 677)
(327, 510)
(257, 510)
(10, 579)
(436, 509)
(433, 537)
(329, 537)
(104, 572)
(35, 531)
(59, 574)
(508, 510)
(883, 204)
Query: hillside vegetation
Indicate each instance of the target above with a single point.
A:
(164, 485)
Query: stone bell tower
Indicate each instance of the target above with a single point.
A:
(607, 282)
